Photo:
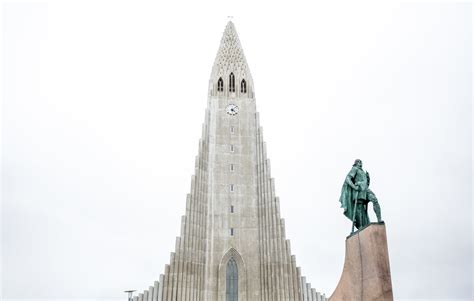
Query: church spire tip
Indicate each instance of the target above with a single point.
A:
(230, 56)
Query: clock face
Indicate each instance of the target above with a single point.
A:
(232, 109)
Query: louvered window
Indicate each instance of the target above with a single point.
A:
(220, 85)
(243, 86)
(231, 82)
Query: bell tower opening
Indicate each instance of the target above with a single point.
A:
(220, 85)
(231, 82)
(243, 86)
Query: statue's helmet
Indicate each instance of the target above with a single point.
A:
(357, 161)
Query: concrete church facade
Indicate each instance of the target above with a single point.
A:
(232, 244)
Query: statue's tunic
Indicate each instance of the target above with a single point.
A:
(359, 178)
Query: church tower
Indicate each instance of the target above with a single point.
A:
(232, 245)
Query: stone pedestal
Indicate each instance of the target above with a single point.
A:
(366, 274)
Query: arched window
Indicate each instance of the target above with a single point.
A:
(243, 86)
(231, 82)
(220, 85)
(232, 281)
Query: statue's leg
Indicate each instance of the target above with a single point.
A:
(365, 213)
(357, 216)
(362, 217)
(375, 203)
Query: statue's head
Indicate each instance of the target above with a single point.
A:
(358, 163)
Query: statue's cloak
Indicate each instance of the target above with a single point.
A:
(348, 195)
(347, 199)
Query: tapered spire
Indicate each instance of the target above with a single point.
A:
(230, 57)
(232, 243)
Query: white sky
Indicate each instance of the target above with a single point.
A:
(103, 103)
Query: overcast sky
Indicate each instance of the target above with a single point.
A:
(102, 110)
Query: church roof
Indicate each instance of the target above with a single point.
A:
(230, 56)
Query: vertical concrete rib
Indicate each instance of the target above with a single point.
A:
(308, 292)
(285, 259)
(197, 268)
(166, 283)
(191, 289)
(294, 285)
(303, 288)
(287, 264)
(266, 204)
(191, 266)
(192, 277)
(155, 290)
(265, 226)
(198, 255)
(188, 238)
(274, 221)
(186, 251)
(279, 245)
(179, 267)
(265, 217)
(298, 280)
(274, 238)
(269, 220)
(261, 214)
(160, 287)
(151, 291)
(259, 201)
(172, 277)
(266, 193)
(313, 294)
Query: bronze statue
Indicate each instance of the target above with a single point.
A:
(356, 195)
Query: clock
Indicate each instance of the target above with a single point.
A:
(232, 109)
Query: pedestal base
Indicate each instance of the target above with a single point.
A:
(366, 274)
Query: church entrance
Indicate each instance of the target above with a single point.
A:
(232, 280)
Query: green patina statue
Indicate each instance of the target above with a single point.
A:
(356, 195)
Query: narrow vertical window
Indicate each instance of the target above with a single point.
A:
(231, 231)
(232, 281)
(231, 82)
(232, 167)
(231, 209)
(231, 187)
(232, 129)
(220, 85)
(231, 148)
(243, 86)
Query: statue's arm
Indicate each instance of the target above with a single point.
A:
(349, 178)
